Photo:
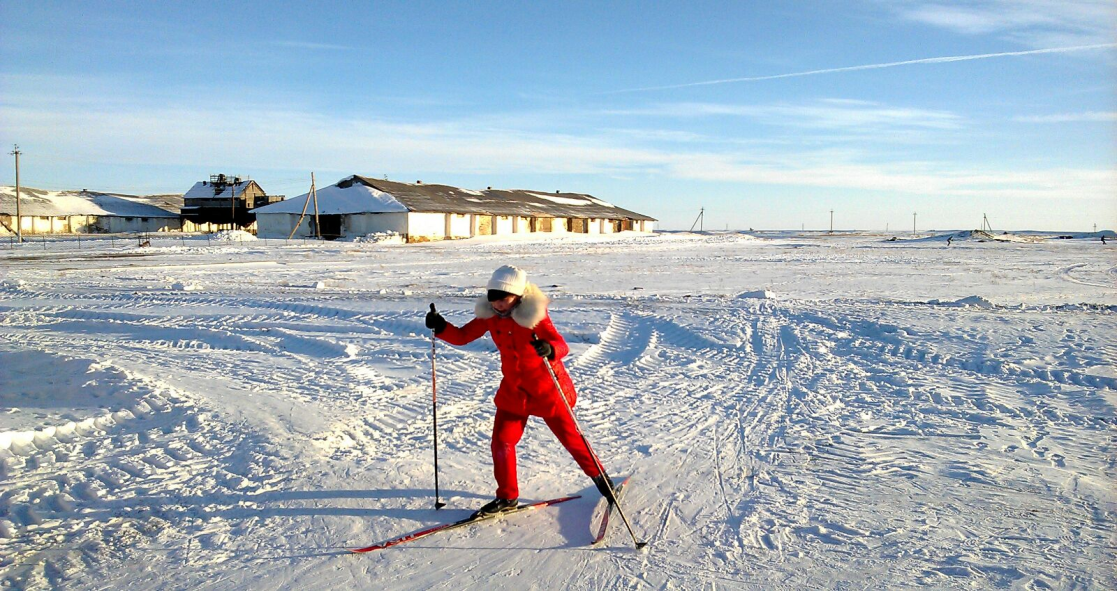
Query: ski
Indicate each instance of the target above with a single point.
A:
(461, 523)
(618, 489)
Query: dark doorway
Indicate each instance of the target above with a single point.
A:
(331, 226)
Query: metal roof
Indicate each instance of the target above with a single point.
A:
(427, 198)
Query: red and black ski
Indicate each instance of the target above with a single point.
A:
(618, 489)
(462, 523)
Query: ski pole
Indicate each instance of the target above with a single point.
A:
(596, 461)
(438, 504)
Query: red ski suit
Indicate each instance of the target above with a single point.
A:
(526, 388)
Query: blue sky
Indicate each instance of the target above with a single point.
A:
(769, 115)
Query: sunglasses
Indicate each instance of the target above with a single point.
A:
(496, 295)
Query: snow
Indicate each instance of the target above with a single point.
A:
(796, 410)
(568, 200)
(204, 190)
(380, 238)
(38, 202)
(356, 198)
(756, 294)
(232, 236)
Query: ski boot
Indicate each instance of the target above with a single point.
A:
(496, 506)
(605, 486)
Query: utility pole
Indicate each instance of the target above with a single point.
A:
(19, 226)
(233, 200)
(831, 221)
(913, 216)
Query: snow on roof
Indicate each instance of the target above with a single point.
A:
(208, 190)
(357, 194)
(568, 201)
(37, 202)
(338, 199)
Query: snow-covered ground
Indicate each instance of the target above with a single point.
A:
(796, 411)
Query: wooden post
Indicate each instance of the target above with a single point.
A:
(305, 205)
(314, 193)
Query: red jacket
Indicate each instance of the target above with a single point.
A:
(526, 387)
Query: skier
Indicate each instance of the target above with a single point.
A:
(1103, 239)
(514, 313)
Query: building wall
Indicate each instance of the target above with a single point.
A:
(279, 225)
(361, 224)
(189, 226)
(437, 226)
(121, 224)
(420, 226)
(578, 225)
(457, 225)
(480, 225)
(87, 224)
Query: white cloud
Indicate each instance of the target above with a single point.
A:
(902, 177)
(313, 46)
(824, 114)
(1033, 23)
(1090, 116)
(252, 139)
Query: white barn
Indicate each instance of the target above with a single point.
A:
(358, 206)
(71, 212)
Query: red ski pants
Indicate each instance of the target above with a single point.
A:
(508, 428)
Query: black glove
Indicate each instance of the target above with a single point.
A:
(435, 321)
(543, 348)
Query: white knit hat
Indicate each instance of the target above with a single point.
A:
(510, 279)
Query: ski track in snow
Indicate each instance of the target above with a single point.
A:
(247, 433)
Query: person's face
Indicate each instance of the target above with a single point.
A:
(503, 305)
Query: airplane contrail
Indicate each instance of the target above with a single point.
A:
(929, 60)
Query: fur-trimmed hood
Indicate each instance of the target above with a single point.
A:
(530, 311)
